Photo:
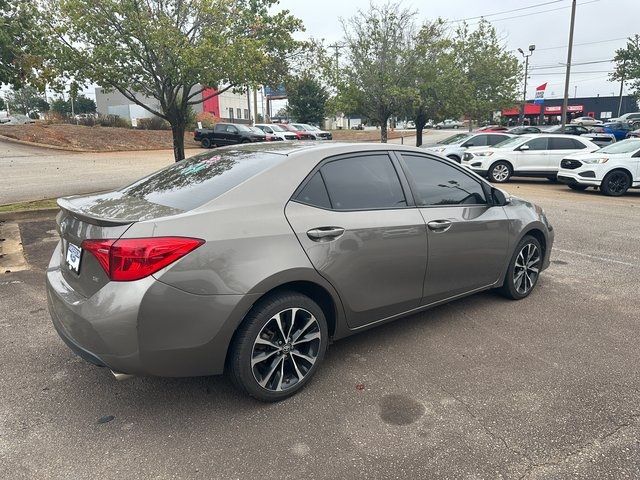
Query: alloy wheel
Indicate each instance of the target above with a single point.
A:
(500, 173)
(527, 268)
(618, 183)
(286, 349)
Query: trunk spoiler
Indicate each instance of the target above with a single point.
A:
(68, 206)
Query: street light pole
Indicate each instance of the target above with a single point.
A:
(565, 102)
(526, 75)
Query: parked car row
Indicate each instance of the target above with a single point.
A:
(231, 133)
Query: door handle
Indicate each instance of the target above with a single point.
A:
(325, 233)
(439, 226)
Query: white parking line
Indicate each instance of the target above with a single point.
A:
(593, 257)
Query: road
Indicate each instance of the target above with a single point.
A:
(544, 388)
(32, 173)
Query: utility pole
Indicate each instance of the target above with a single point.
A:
(526, 74)
(624, 64)
(337, 47)
(565, 102)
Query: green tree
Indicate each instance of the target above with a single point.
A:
(60, 106)
(26, 100)
(22, 44)
(307, 99)
(81, 104)
(170, 49)
(376, 40)
(490, 73)
(627, 62)
(432, 77)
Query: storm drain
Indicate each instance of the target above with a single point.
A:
(11, 253)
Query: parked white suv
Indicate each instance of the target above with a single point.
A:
(534, 155)
(614, 168)
(276, 130)
(449, 124)
(454, 147)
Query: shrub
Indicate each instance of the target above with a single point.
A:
(207, 119)
(153, 123)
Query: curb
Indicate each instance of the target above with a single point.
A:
(4, 138)
(27, 214)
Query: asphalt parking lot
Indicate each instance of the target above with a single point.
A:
(545, 388)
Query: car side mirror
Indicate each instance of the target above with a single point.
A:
(500, 199)
(523, 148)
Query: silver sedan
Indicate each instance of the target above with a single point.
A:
(251, 259)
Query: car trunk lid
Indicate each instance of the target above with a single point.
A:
(103, 216)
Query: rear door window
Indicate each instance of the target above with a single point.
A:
(562, 144)
(193, 182)
(315, 193)
(364, 182)
(495, 139)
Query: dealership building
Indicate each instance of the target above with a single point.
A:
(601, 108)
(227, 106)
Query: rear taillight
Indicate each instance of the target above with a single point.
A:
(130, 259)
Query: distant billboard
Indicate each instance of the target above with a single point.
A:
(275, 92)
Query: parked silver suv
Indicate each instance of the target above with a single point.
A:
(251, 258)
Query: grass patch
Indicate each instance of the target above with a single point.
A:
(47, 204)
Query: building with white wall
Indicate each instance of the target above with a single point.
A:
(227, 106)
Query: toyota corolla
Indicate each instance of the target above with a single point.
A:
(251, 259)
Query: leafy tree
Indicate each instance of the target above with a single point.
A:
(376, 40)
(627, 62)
(307, 99)
(81, 104)
(60, 106)
(170, 49)
(432, 77)
(21, 42)
(26, 100)
(490, 72)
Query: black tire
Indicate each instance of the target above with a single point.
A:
(578, 187)
(246, 140)
(206, 143)
(500, 172)
(438, 127)
(456, 127)
(260, 321)
(615, 183)
(455, 158)
(510, 287)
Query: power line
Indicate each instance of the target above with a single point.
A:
(585, 43)
(548, 67)
(542, 11)
(572, 73)
(504, 11)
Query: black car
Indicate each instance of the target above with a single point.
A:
(569, 130)
(523, 130)
(227, 134)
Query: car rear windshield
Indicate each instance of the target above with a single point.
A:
(191, 183)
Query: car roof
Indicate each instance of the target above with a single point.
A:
(325, 148)
(550, 135)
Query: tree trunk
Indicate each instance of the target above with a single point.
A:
(420, 121)
(177, 129)
(470, 127)
(383, 131)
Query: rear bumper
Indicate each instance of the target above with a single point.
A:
(146, 327)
